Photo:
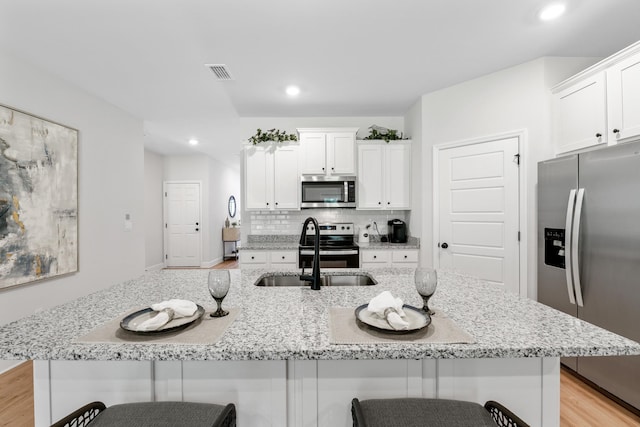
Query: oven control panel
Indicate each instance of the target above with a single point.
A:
(332, 229)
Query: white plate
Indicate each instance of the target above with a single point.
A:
(130, 322)
(417, 319)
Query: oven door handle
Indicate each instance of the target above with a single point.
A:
(343, 252)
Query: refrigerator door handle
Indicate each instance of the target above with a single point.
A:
(567, 245)
(575, 240)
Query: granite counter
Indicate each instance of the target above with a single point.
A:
(275, 361)
(292, 323)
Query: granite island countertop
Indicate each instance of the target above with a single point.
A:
(292, 323)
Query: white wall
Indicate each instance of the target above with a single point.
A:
(513, 99)
(225, 182)
(111, 182)
(420, 178)
(218, 182)
(153, 224)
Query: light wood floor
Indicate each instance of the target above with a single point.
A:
(16, 396)
(224, 265)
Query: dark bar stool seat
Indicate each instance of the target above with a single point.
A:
(419, 412)
(151, 414)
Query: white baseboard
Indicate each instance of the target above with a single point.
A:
(211, 263)
(7, 365)
(154, 267)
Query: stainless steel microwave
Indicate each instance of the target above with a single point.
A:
(320, 191)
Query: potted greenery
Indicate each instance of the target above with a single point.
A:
(385, 134)
(272, 135)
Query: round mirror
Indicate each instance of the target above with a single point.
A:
(232, 206)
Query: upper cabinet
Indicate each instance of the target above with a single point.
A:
(327, 151)
(384, 175)
(271, 177)
(623, 83)
(600, 105)
(580, 115)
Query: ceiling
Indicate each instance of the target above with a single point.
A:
(349, 57)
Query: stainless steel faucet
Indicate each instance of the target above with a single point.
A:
(315, 272)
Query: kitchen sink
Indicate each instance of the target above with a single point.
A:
(326, 280)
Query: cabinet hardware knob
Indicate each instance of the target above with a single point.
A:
(322, 168)
(375, 256)
(445, 245)
(405, 257)
(616, 131)
(253, 257)
(598, 135)
(267, 203)
(333, 169)
(283, 257)
(276, 203)
(379, 203)
(197, 223)
(388, 203)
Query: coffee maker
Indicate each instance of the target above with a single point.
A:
(397, 231)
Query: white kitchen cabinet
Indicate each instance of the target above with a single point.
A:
(254, 259)
(271, 177)
(384, 175)
(580, 115)
(327, 151)
(376, 258)
(600, 105)
(280, 259)
(623, 84)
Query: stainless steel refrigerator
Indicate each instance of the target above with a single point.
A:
(589, 253)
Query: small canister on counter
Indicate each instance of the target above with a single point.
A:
(363, 234)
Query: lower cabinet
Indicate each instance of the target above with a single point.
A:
(389, 258)
(285, 259)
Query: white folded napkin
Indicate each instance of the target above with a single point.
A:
(166, 311)
(181, 307)
(389, 308)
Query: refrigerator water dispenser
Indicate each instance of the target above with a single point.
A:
(554, 247)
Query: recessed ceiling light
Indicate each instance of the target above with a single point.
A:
(551, 12)
(193, 141)
(293, 90)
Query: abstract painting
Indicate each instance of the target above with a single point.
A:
(38, 198)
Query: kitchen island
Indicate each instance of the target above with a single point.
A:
(276, 362)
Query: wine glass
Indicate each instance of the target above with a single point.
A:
(219, 281)
(426, 281)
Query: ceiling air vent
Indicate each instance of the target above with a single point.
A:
(221, 71)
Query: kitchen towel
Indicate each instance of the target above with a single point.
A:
(207, 330)
(344, 329)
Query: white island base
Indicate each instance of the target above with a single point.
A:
(298, 393)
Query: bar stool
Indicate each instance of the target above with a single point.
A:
(419, 412)
(151, 414)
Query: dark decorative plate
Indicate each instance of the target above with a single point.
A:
(417, 319)
(131, 321)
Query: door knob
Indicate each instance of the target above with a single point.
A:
(598, 135)
(445, 245)
(616, 131)
(197, 229)
(197, 223)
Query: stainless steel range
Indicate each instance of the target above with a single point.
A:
(338, 248)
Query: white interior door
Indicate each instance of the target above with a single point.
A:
(478, 212)
(182, 224)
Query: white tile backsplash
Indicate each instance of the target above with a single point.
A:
(290, 222)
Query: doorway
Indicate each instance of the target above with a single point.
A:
(182, 224)
(477, 209)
